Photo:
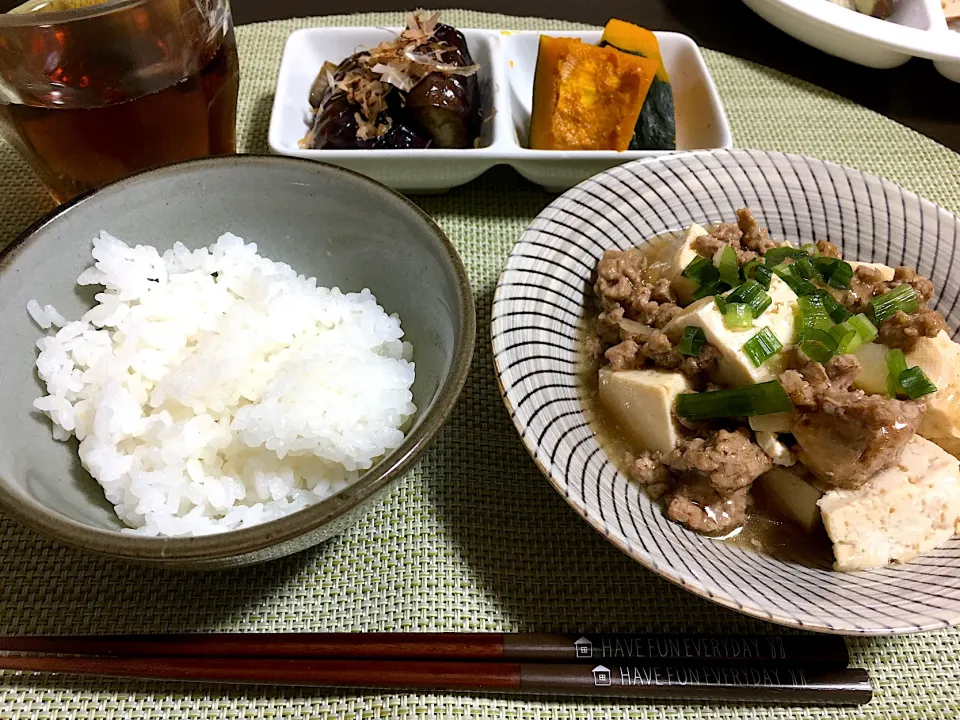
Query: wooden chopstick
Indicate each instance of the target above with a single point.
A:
(822, 651)
(755, 684)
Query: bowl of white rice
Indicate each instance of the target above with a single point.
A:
(223, 361)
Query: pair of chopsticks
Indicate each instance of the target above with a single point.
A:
(786, 669)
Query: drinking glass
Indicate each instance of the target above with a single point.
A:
(93, 90)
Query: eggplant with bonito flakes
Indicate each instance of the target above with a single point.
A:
(418, 90)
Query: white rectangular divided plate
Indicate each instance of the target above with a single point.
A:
(507, 61)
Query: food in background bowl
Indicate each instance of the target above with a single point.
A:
(736, 362)
(215, 389)
(417, 91)
(615, 96)
(876, 8)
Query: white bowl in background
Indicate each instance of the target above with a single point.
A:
(917, 28)
(507, 61)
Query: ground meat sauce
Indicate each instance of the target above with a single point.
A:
(844, 436)
(841, 434)
(903, 330)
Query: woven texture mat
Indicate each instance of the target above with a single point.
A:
(474, 538)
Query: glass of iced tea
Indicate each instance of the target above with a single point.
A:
(93, 90)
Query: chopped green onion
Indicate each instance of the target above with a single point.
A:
(915, 383)
(865, 329)
(803, 267)
(837, 312)
(885, 306)
(721, 303)
(813, 314)
(763, 276)
(800, 286)
(841, 276)
(750, 268)
(751, 293)
(728, 267)
(762, 346)
(811, 250)
(775, 256)
(835, 272)
(738, 316)
(848, 339)
(825, 266)
(701, 271)
(760, 303)
(713, 288)
(896, 364)
(745, 293)
(692, 341)
(759, 399)
(819, 346)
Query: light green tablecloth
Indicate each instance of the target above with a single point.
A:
(474, 538)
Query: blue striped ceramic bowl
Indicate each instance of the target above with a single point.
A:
(541, 303)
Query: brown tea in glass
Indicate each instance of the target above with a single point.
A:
(93, 91)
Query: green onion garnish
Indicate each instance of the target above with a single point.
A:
(728, 267)
(848, 339)
(813, 314)
(803, 267)
(915, 383)
(841, 276)
(775, 256)
(800, 286)
(896, 364)
(762, 346)
(692, 341)
(811, 250)
(865, 329)
(885, 306)
(721, 304)
(749, 268)
(837, 312)
(825, 266)
(738, 316)
(712, 288)
(835, 272)
(819, 345)
(701, 271)
(759, 399)
(751, 293)
(763, 276)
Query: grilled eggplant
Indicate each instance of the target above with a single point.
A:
(416, 92)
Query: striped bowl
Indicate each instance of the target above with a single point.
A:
(541, 303)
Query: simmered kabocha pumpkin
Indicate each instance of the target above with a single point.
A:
(586, 97)
(656, 128)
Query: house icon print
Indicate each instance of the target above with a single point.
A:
(601, 676)
(583, 648)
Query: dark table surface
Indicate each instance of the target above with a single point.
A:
(913, 94)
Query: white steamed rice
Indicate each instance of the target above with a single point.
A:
(216, 389)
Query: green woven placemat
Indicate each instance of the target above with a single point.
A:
(474, 538)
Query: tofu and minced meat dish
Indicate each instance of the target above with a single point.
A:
(750, 376)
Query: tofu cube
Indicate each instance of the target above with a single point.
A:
(684, 255)
(642, 401)
(898, 514)
(736, 368)
(939, 358)
(791, 493)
